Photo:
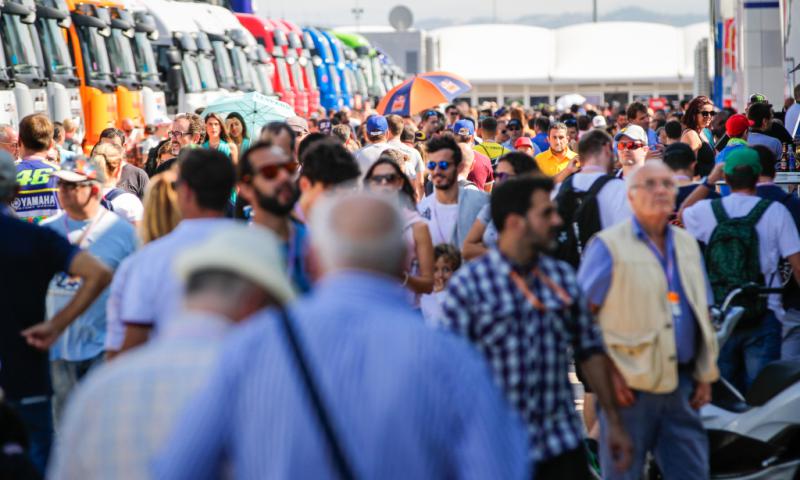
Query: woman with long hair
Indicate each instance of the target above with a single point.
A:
(237, 131)
(696, 120)
(386, 176)
(217, 138)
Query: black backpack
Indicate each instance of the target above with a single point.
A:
(581, 215)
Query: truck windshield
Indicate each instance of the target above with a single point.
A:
(312, 78)
(283, 72)
(335, 78)
(242, 70)
(95, 54)
(206, 70)
(297, 73)
(121, 56)
(18, 42)
(55, 49)
(145, 60)
(223, 63)
(262, 74)
(190, 74)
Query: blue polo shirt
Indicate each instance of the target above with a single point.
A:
(596, 272)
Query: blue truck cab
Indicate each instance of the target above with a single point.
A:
(328, 77)
(339, 63)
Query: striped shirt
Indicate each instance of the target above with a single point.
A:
(405, 400)
(528, 349)
(120, 416)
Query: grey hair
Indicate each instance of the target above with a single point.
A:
(374, 241)
(4, 128)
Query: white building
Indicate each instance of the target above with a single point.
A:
(602, 61)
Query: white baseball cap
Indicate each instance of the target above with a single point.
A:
(599, 121)
(634, 132)
(250, 251)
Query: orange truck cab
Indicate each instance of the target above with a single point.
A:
(87, 38)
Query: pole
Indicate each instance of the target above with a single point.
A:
(594, 11)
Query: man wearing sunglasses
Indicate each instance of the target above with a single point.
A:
(514, 129)
(631, 148)
(760, 116)
(267, 181)
(451, 209)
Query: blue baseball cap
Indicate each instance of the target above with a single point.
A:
(377, 125)
(464, 127)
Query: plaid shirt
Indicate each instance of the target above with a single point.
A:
(528, 349)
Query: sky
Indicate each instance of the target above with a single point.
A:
(376, 12)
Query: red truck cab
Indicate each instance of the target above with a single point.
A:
(297, 41)
(264, 32)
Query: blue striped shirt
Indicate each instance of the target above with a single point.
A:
(406, 401)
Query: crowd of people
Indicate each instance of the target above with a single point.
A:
(360, 295)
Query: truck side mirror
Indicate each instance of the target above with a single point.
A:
(174, 78)
(173, 56)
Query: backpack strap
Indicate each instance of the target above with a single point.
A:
(599, 184)
(566, 186)
(755, 214)
(719, 211)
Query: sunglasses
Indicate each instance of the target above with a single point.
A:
(629, 145)
(270, 172)
(442, 165)
(503, 176)
(514, 128)
(384, 179)
(707, 114)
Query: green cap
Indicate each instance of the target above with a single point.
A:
(742, 156)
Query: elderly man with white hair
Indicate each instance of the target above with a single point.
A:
(646, 280)
(362, 388)
(122, 415)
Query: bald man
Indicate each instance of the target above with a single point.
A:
(629, 272)
(426, 407)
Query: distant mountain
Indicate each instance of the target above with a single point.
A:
(631, 14)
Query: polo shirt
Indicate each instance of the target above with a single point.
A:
(29, 257)
(777, 233)
(551, 165)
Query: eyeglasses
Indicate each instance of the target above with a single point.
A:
(707, 114)
(651, 183)
(177, 134)
(270, 172)
(629, 145)
(442, 165)
(384, 179)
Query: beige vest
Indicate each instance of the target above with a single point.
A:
(636, 318)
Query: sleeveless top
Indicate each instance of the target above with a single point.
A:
(705, 157)
(223, 147)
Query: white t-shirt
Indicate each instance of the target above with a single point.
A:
(612, 200)
(776, 230)
(369, 154)
(442, 224)
(126, 205)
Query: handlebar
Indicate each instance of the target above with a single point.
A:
(748, 289)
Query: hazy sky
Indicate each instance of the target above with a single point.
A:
(376, 12)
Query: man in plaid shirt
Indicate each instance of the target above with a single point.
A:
(525, 312)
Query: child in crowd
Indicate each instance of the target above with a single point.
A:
(447, 259)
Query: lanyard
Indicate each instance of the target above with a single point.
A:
(531, 297)
(86, 231)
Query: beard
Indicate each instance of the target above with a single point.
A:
(448, 182)
(273, 204)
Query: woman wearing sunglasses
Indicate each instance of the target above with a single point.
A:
(696, 122)
(483, 233)
(217, 138)
(386, 176)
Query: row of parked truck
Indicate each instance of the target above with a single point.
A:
(98, 62)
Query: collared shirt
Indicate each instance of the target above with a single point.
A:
(119, 418)
(153, 293)
(552, 165)
(110, 239)
(777, 234)
(528, 349)
(405, 400)
(597, 270)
